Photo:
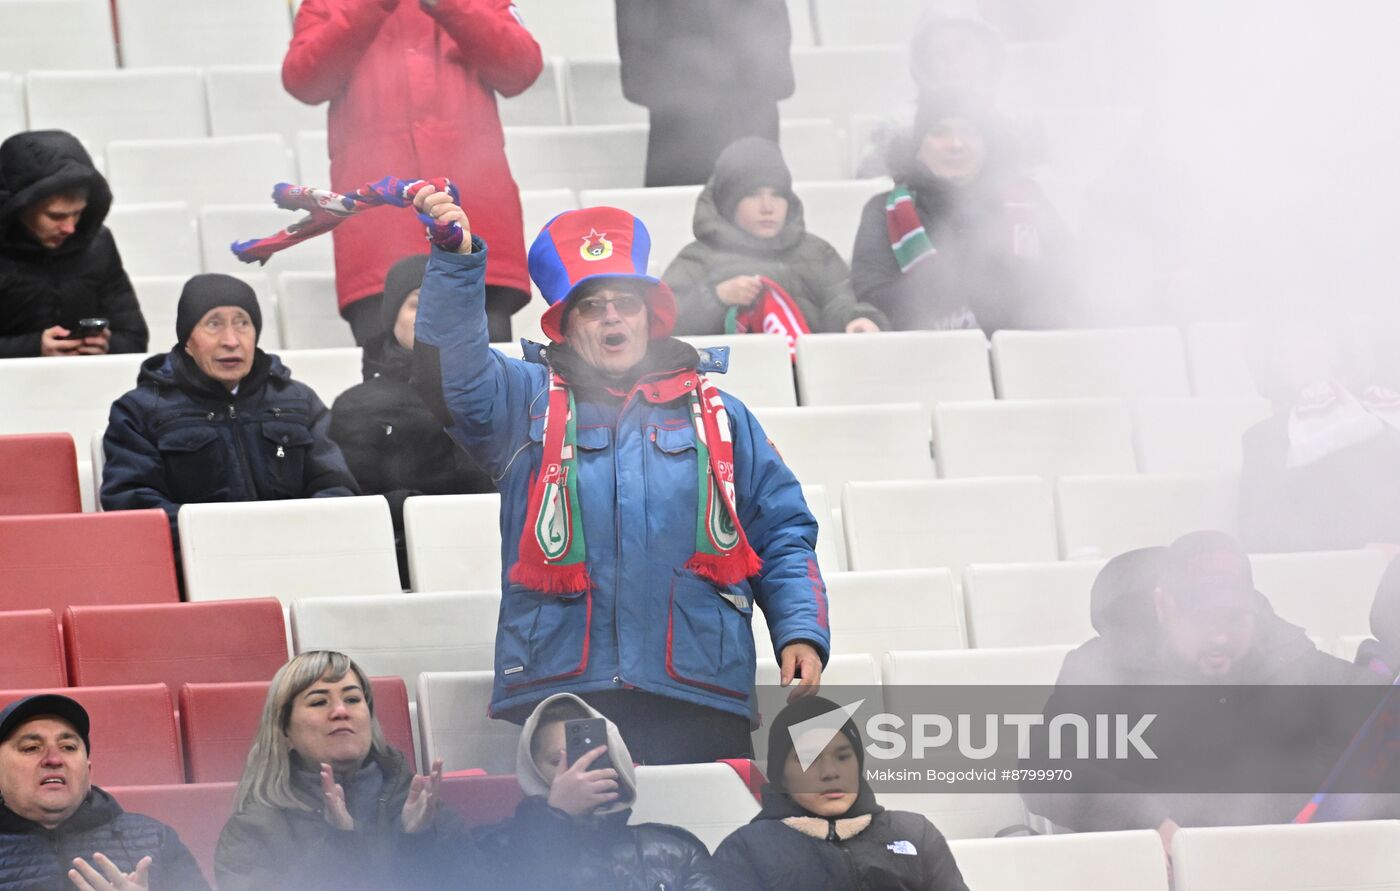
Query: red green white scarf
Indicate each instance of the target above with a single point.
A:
(774, 312)
(553, 557)
(908, 238)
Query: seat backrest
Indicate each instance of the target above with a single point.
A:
(218, 723)
(573, 27)
(403, 634)
(214, 170)
(542, 103)
(1288, 858)
(76, 397)
(595, 94)
(927, 367)
(831, 446)
(453, 724)
(134, 741)
(33, 652)
(841, 24)
(708, 799)
(1219, 357)
(667, 210)
(328, 372)
(1009, 666)
(840, 81)
(313, 157)
(605, 156)
(1029, 604)
(160, 301)
(832, 211)
(1064, 862)
(1328, 593)
(251, 99)
(842, 670)
(1101, 516)
(53, 561)
(1194, 435)
(482, 800)
(99, 106)
(308, 547)
(12, 114)
(175, 643)
(901, 609)
(197, 811)
(41, 474)
(158, 238)
(454, 541)
(1042, 438)
(1131, 363)
(760, 368)
(831, 540)
(221, 224)
(26, 41)
(924, 524)
(310, 316)
(213, 32)
(813, 149)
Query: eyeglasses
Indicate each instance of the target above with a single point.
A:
(592, 308)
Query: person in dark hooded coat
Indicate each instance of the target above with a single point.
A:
(822, 830)
(216, 418)
(963, 240)
(58, 263)
(748, 223)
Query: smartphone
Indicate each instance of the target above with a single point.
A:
(583, 735)
(86, 328)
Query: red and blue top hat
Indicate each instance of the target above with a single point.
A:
(595, 243)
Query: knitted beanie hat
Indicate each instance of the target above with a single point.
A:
(207, 291)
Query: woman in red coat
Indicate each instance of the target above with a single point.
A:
(412, 89)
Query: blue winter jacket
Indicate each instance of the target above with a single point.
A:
(647, 622)
(179, 438)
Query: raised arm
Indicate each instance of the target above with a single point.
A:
(328, 39)
(492, 40)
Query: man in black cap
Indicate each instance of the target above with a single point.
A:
(58, 265)
(216, 418)
(55, 823)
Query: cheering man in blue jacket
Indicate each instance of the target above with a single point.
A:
(643, 512)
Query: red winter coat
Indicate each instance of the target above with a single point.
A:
(413, 93)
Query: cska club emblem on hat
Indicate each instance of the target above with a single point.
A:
(596, 246)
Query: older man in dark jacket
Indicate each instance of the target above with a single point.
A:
(58, 264)
(57, 830)
(216, 418)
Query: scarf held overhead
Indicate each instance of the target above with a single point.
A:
(774, 312)
(553, 555)
(326, 210)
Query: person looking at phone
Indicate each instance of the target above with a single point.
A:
(59, 266)
(644, 513)
(571, 831)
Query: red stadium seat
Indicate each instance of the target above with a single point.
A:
(219, 721)
(175, 643)
(41, 474)
(134, 741)
(482, 800)
(32, 654)
(197, 811)
(55, 561)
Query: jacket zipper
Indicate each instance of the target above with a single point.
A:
(835, 839)
(243, 453)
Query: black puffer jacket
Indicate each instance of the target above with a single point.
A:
(275, 849)
(83, 277)
(33, 858)
(180, 437)
(787, 848)
(541, 847)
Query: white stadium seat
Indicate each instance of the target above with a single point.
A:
(595, 93)
(760, 368)
(402, 634)
(610, 156)
(1102, 516)
(709, 800)
(329, 372)
(210, 32)
(813, 149)
(1328, 593)
(220, 225)
(539, 206)
(842, 670)
(1132, 363)
(1028, 604)
(454, 541)
(875, 612)
(28, 39)
(1347, 856)
(542, 103)
(839, 81)
(1105, 860)
(1194, 435)
(831, 539)
(76, 397)
(160, 238)
(12, 114)
(842, 23)
(800, 19)
(96, 461)
(832, 209)
(572, 28)
(99, 106)
(928, 367)
(949, 523)
(1219, 357)
(251, 99)
(310, 314)
(1041, 437)
(832, 446)
(1001, 666)
(159, 297)
(668, 212)
(308, 547)
(313, 159)
(453, 724)
(217, 170)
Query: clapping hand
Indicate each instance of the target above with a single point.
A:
(422, 801)
(337, 815)
(87, 878)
